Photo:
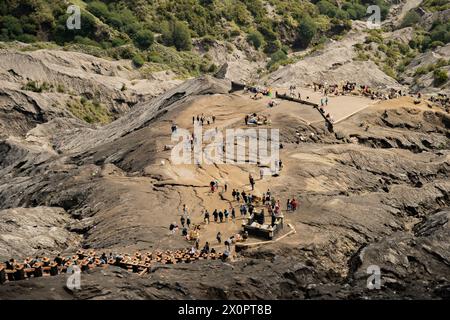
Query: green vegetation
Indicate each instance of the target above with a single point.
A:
(438, 35)
(256, 39)
(138, 61)
(410, 19)
(277, 57)
(127, 28)
(177, 34)
(436, 5)
(307, 30)
(431, 67)
(144, 39)
(391, 56)
(440, 77)
(35, 86)
(89, 111)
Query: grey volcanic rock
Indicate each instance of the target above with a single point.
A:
(69, 76)
(375, 193)
(142, 115)
(30, 231)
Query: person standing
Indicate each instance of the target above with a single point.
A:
(233, 214)
(197, 243)
(215, 214)
(219, 237)
(293, 204)
(188, 222)
(206, 217)
(182, 220)
(228, 244)
(221, 216)
(250, 209)
(226, 214)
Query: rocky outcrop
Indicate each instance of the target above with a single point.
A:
(333, 64)
(27, 232)
(38, 86)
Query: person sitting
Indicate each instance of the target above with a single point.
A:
(10, 264)
(103, 258)
(206, 248)
(173, 227)
(58, 259)
(35, 260)
(225, 255)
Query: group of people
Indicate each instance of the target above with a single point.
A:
(219, 215)
(202, 119)
(256, 119)
(347, 87)
(258, 90)
(214, 186)
(232, 239)
(59, 260)
(441, 100)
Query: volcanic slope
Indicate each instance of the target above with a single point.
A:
(373, 192)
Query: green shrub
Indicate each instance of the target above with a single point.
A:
(60, 88)
(272, 46)
(277, 57)
(155, 58)
(330, 10)
(98, 9)
(440, 77)
(138, 61)
(355, 11)
(389, 71)
(256, 39)
(144, 39)
(306, 32)
(36, 87)
(176, 33)
(410, 19)
(436, 44)
(181, 36)
(421, 71)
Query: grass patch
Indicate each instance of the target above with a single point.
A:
(90, 111)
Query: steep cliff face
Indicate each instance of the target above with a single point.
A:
(41, 85)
